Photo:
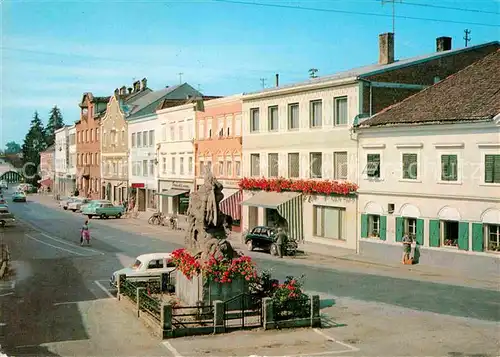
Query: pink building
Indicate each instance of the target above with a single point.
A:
(47, 169)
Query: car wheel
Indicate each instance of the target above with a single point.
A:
(103, 216)
(119, 215)
(73, 210)
(250, 245)
(274, 250)
(65, 208)
(89, 216)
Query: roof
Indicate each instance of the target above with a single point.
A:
(150, 256)
(472, 94)
(366, 71)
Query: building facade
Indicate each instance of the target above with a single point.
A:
(305, 132)
(61, 157)
(47, 168)
(88, 151)
(218, 148)
(434, 174)
(71, 172)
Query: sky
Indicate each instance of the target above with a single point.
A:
(54, 51)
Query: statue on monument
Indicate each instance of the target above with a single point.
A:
(208, 227)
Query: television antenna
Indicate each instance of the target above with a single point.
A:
(393, 2)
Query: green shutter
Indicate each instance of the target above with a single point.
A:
(434, 233)
(364, 226)
(420, 231)
(496, 169)
(453, 168)
(477, 237)
(463, 235)
(445, 167)
(383, 227)
(489, 162)
(399, 229)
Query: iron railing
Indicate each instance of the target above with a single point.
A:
(150, 305)
(185, 316)
(292, 309)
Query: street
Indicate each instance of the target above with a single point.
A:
(57, 302)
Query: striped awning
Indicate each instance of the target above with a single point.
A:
(288, 205)
(231, 205)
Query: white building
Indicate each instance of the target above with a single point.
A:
(176, 156)
(430, 167)
(64, 185)
(71, 172)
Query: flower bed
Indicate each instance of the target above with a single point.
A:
(323, 187)
(289, 300)
(220, 271)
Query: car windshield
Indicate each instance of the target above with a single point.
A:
(137, 264)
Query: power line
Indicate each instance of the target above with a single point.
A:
(354, 12)
(451, 8)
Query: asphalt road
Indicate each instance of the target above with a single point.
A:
(53, 273)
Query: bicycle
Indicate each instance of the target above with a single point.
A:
(157, 218)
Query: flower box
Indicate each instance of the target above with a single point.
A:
(308, 187)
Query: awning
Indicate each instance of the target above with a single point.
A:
(172, 192)
(288, 205)
(231, 205)
(46, 182)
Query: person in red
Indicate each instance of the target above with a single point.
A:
(85, 233)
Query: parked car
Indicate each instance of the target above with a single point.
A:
(5, 216)
(146, 267)
(106, 210)
(19, 197)
(76, 204)
(65, 202)
(89, 209)
(264, 238)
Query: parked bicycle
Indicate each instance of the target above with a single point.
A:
(157, 218)
(172, 222)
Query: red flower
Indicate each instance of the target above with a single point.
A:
(324, 187)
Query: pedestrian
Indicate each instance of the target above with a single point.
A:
(280, 241)
(407, 240)
(85, 232)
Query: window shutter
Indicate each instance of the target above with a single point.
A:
(445, 167)
(496, 169)
(477, 237)
(364, 225)
(420, 232)
(463, 235)
(453, 167)
(399, 229)
(383, 227)
(434, 233)
(489, 161)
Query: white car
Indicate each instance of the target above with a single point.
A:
(76, 204)
(146, 266)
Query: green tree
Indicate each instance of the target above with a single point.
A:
(34, 144)
(12, 148)
(55, 122)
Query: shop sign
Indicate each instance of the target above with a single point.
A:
(181, 185)
(137, 185)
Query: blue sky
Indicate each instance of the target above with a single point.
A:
(54, 51)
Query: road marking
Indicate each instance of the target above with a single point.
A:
(54, 246)
(103, 288)
(330, 338)
(71, 244)
(171, 348)
(11, 293)
(66, 303)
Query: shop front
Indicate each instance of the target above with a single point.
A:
(174, 197)
(231, 206)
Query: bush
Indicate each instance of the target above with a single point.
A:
(289, 301)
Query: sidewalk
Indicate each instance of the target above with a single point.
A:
(311, 254)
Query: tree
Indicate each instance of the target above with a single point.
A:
(12, 148)
(55, 122)
(34, 144)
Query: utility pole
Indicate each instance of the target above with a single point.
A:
(180, 77)
(263, 82)
(393, 2)
(466, 37)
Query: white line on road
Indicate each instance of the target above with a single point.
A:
(330, 338)
(171, 348)
(54, 246)
(70, 244)
(103, 288)
(7, 294)
(66, 303)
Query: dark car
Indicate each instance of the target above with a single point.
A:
(261, 237)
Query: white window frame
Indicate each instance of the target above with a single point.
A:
(482, 169)
(343, 223)
(335, 164)
(180, 131)
(210, 128)
(181, 166)
(258, 174)
(190, 165)
(459, 168)
(173, 163)
(269, 118)
(335, 110)
(488, 234)
(373, 225)
(229, 166)
(252, 128)
(310, 154)
(311, 114)
(420, 170)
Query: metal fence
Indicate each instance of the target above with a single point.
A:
(292, 309)
(191, 316)
(150, 305)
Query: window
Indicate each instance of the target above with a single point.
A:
(254, 119)
(155, 264)
(139, 141)
(341, 111)
(87, 136)
(201, 130)
(144, 167)
(133, 140)
(237, 125)
(293, 165)
(173, 165)
(97, 134)
(172, 133)
(163, 132)
(181, 166)
(209, 128)
(315, 165)
(220, 127)
(272, 165)
(293, 116)
(492, 168)
(410, 166)
(190, 127)
(373, 165)
(237, 168)
(229, 125)
(340, 165)
(190, 165)
(410, 227)
(123, 136)
(449, 168)
(164, 165)
(151, 138)
(181, 131)
(96, 159)
(115, 168)
(315, 115)
(449, 233)
(91, 134)
(272, 118)
(221, 167)
(255, 165)
(229, 167)
(145, 138)
(329, 222)
(208, 166)
(151, 168)
(373, 226)
(134, 169)
(201, 167)
(493, 231)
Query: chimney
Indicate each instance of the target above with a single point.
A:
(137, 86)
(123, 90)
(386, 48)
(443, 44)
(277, 80)
(144, 83)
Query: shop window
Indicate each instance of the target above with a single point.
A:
(373, 226)
(449, 233)
(329, 222)
(493, 231)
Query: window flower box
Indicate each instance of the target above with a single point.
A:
(308, 187)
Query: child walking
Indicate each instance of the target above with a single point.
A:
(85, 232)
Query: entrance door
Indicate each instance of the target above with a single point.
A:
(142, 199)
